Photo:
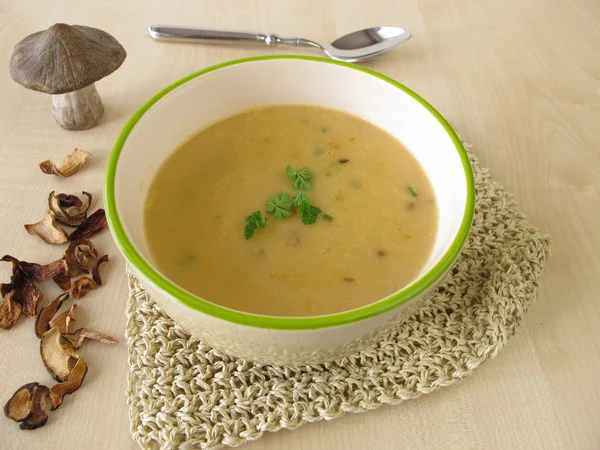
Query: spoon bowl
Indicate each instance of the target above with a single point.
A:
(352, 47)
(368, 43)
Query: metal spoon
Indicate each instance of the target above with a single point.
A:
(353, 47)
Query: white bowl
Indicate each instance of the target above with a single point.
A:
(204, 97)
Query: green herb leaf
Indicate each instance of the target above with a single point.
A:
(412, 192)
(327, 217)
(280, 206)
(300, 198)
(255, 221)
(186, 258)
(300, 177)
(309, 213)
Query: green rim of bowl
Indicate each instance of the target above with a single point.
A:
(271, 322)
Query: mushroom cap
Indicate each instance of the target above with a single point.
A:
(65, 58)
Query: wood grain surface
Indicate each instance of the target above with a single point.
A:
(519, 79)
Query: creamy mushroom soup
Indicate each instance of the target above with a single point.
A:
(291, 210)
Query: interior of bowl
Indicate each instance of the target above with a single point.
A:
(179, 111)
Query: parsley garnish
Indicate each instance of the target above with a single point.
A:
(280, 206)
(283, 203)
(255, 221)
(309, 213)
(300, 198)
(412, 192)
(300, 177)
(186, 258)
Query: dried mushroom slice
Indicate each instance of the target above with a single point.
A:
(77, 337)
(48, 230)
(27, 291)
(96, 270)
(24, 279)
(10, 311)
(63, 321)
(69, 209)
(28, 406)
(57, 270)
(94, 223)
(58, 391)
(72, 164)
(46, 314)
(79, 255)
(82, 286)
(38, 417)
(58, 355)
(20, 405)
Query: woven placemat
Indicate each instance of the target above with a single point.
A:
(184, 394)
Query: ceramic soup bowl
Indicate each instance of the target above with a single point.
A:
(204, 97)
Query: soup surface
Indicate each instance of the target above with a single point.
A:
(374, 236)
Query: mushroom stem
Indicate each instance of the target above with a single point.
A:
(78, 110)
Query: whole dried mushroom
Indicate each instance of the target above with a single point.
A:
(69, 209)
(66, 61)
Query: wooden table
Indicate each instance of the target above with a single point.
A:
(519, 79)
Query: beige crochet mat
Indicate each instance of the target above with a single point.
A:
(184, 394)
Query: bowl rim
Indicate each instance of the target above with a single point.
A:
(273, 322)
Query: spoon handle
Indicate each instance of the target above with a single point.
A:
(181, 34)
